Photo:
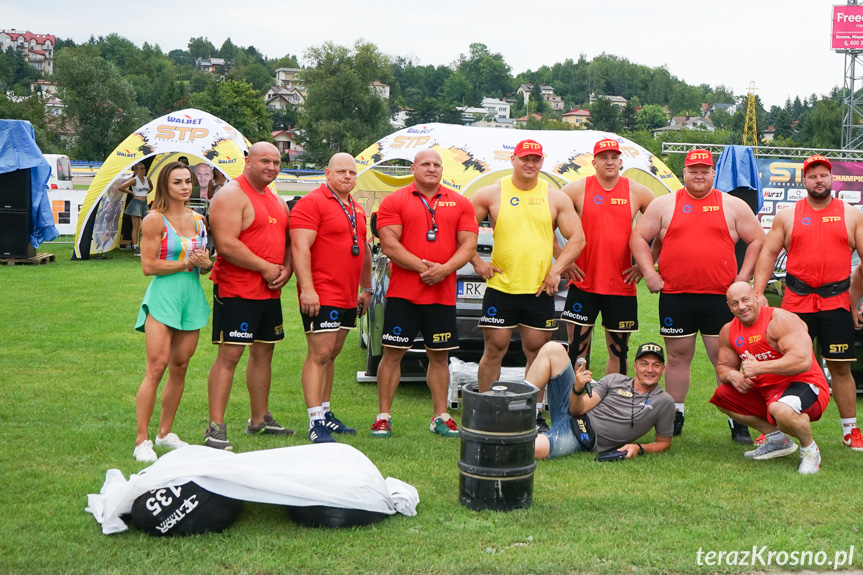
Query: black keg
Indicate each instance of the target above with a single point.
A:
(498, 429)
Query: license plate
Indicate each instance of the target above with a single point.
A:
(471, 290)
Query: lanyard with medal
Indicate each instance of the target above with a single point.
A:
(431, 235)
(352, 219)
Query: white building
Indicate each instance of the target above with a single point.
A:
(37, 49)
(496, 108)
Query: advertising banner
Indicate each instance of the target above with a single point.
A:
(847, 31)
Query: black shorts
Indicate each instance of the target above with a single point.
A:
(330, 319)
(403, 320)
(834, 330)
(246, 321)
(619, 312)
(684, 314)
(505, 310)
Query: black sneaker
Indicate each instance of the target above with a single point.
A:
(335, 425)
(269, 427)
(320, 433)
(541, 424)
(740, 433)
(216, 436)
(678, 423)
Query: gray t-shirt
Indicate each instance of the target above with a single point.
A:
(623, 415)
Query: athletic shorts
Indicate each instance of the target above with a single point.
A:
(802, 397)
(834, 330)
(619, 312)
(684, 314)
(330, 319)
(561, 439)
(506, 310)
(403, 320)
(246, 321)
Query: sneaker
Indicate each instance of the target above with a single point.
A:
(740, 433)
(171, 441)
(854, 440)
(445, 427)
(772, 449)
(320, 433)
(678, 423)
(382, 428)
(759, 440)
(137, 250)
(269, 427)
(541, 423)
(144, 452)
(216, 436)
(810, 462)
(335, 425)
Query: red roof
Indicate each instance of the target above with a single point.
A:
(577, 112)
(28, 35)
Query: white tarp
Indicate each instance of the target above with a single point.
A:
(334, 475)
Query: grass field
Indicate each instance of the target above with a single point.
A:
(71, 365)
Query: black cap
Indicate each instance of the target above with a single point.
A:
(653, 348)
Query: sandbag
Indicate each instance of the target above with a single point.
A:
(186, 509)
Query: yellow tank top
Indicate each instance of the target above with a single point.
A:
(523, 236)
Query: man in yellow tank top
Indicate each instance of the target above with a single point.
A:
(522, 279)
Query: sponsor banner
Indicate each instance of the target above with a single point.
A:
(782, 182)
(65, 207)
(847, 32)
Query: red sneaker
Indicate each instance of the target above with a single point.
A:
(760, 440)
(854, 440)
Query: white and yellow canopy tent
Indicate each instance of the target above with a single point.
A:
(199, 136)
(476, 157)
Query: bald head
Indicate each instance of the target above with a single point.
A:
(428, 171)
(262, 148)
(262, 165)
(341, 174)
(743, 302)
(341, 158)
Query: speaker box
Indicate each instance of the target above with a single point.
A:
(15, 235)
(15, 191)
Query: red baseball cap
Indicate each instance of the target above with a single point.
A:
(607, 145)
(528, 148)
(816, 159)
(698, 157)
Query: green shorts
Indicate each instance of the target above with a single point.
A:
(177, 301)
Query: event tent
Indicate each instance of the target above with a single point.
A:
(475, 157)
(193, 133)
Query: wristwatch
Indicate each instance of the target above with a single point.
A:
(367, 290)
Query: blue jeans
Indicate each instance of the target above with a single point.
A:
(561, 439)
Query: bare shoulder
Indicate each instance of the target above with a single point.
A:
(574, 189)
(784, 321)
(661, 205)
(231, 194)
(153, 220)
(853, 213)
(641, 194)
(486, 194)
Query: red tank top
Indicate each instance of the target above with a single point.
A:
(265, 237)
(754, 340)
(818, 254)
(697, 251)
(606, 217)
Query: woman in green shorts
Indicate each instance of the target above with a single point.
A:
(174, 250)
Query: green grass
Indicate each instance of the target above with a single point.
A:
(71, 365)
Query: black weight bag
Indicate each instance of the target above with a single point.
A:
(188, 509)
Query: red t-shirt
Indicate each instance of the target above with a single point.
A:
(335, 270)
(606, 217)
(265, 237)
(754, 340)
(454, 213)
(697, 252)
(818, 254)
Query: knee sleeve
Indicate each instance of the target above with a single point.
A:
(620, 348)
(580, 345)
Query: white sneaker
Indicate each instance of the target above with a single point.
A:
(171, 441)
(144, 452)
(810, 462)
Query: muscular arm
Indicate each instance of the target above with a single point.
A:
(301, 254)
(287, 269)
(856, 294)
(792, 338)
(437, 272)
(773, 244)
(646, 230)
(392, 247)
(481, 201)
(749, 230)
(728, 364)
(365, 282)
(226, 223)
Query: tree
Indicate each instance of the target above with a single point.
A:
(782, 124)
(604, 116)
(200, 47)
(651, 116)
(100, 104)
(15, 73)
(258, 76)
(457, 89)
(822, 127)
(239, 104)
(487, 73)
(629, 117)
(285, 119)
(342, 113)
(536, 102)
(32, 109)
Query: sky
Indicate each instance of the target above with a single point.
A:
(783, 46)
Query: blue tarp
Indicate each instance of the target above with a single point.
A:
(737, 168)
(18, 151)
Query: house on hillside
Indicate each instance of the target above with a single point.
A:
(617, 101)
(554, 101)
(496, 108)
(287, 143)
(678, 123)
(278, 98)
(731, 109)
(577, 117)
(37, 49)
(380, 89)
(287, 78)
(213, 65)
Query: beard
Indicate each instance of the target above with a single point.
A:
(820, 195)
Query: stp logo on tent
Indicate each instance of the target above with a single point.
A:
(181, 133)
